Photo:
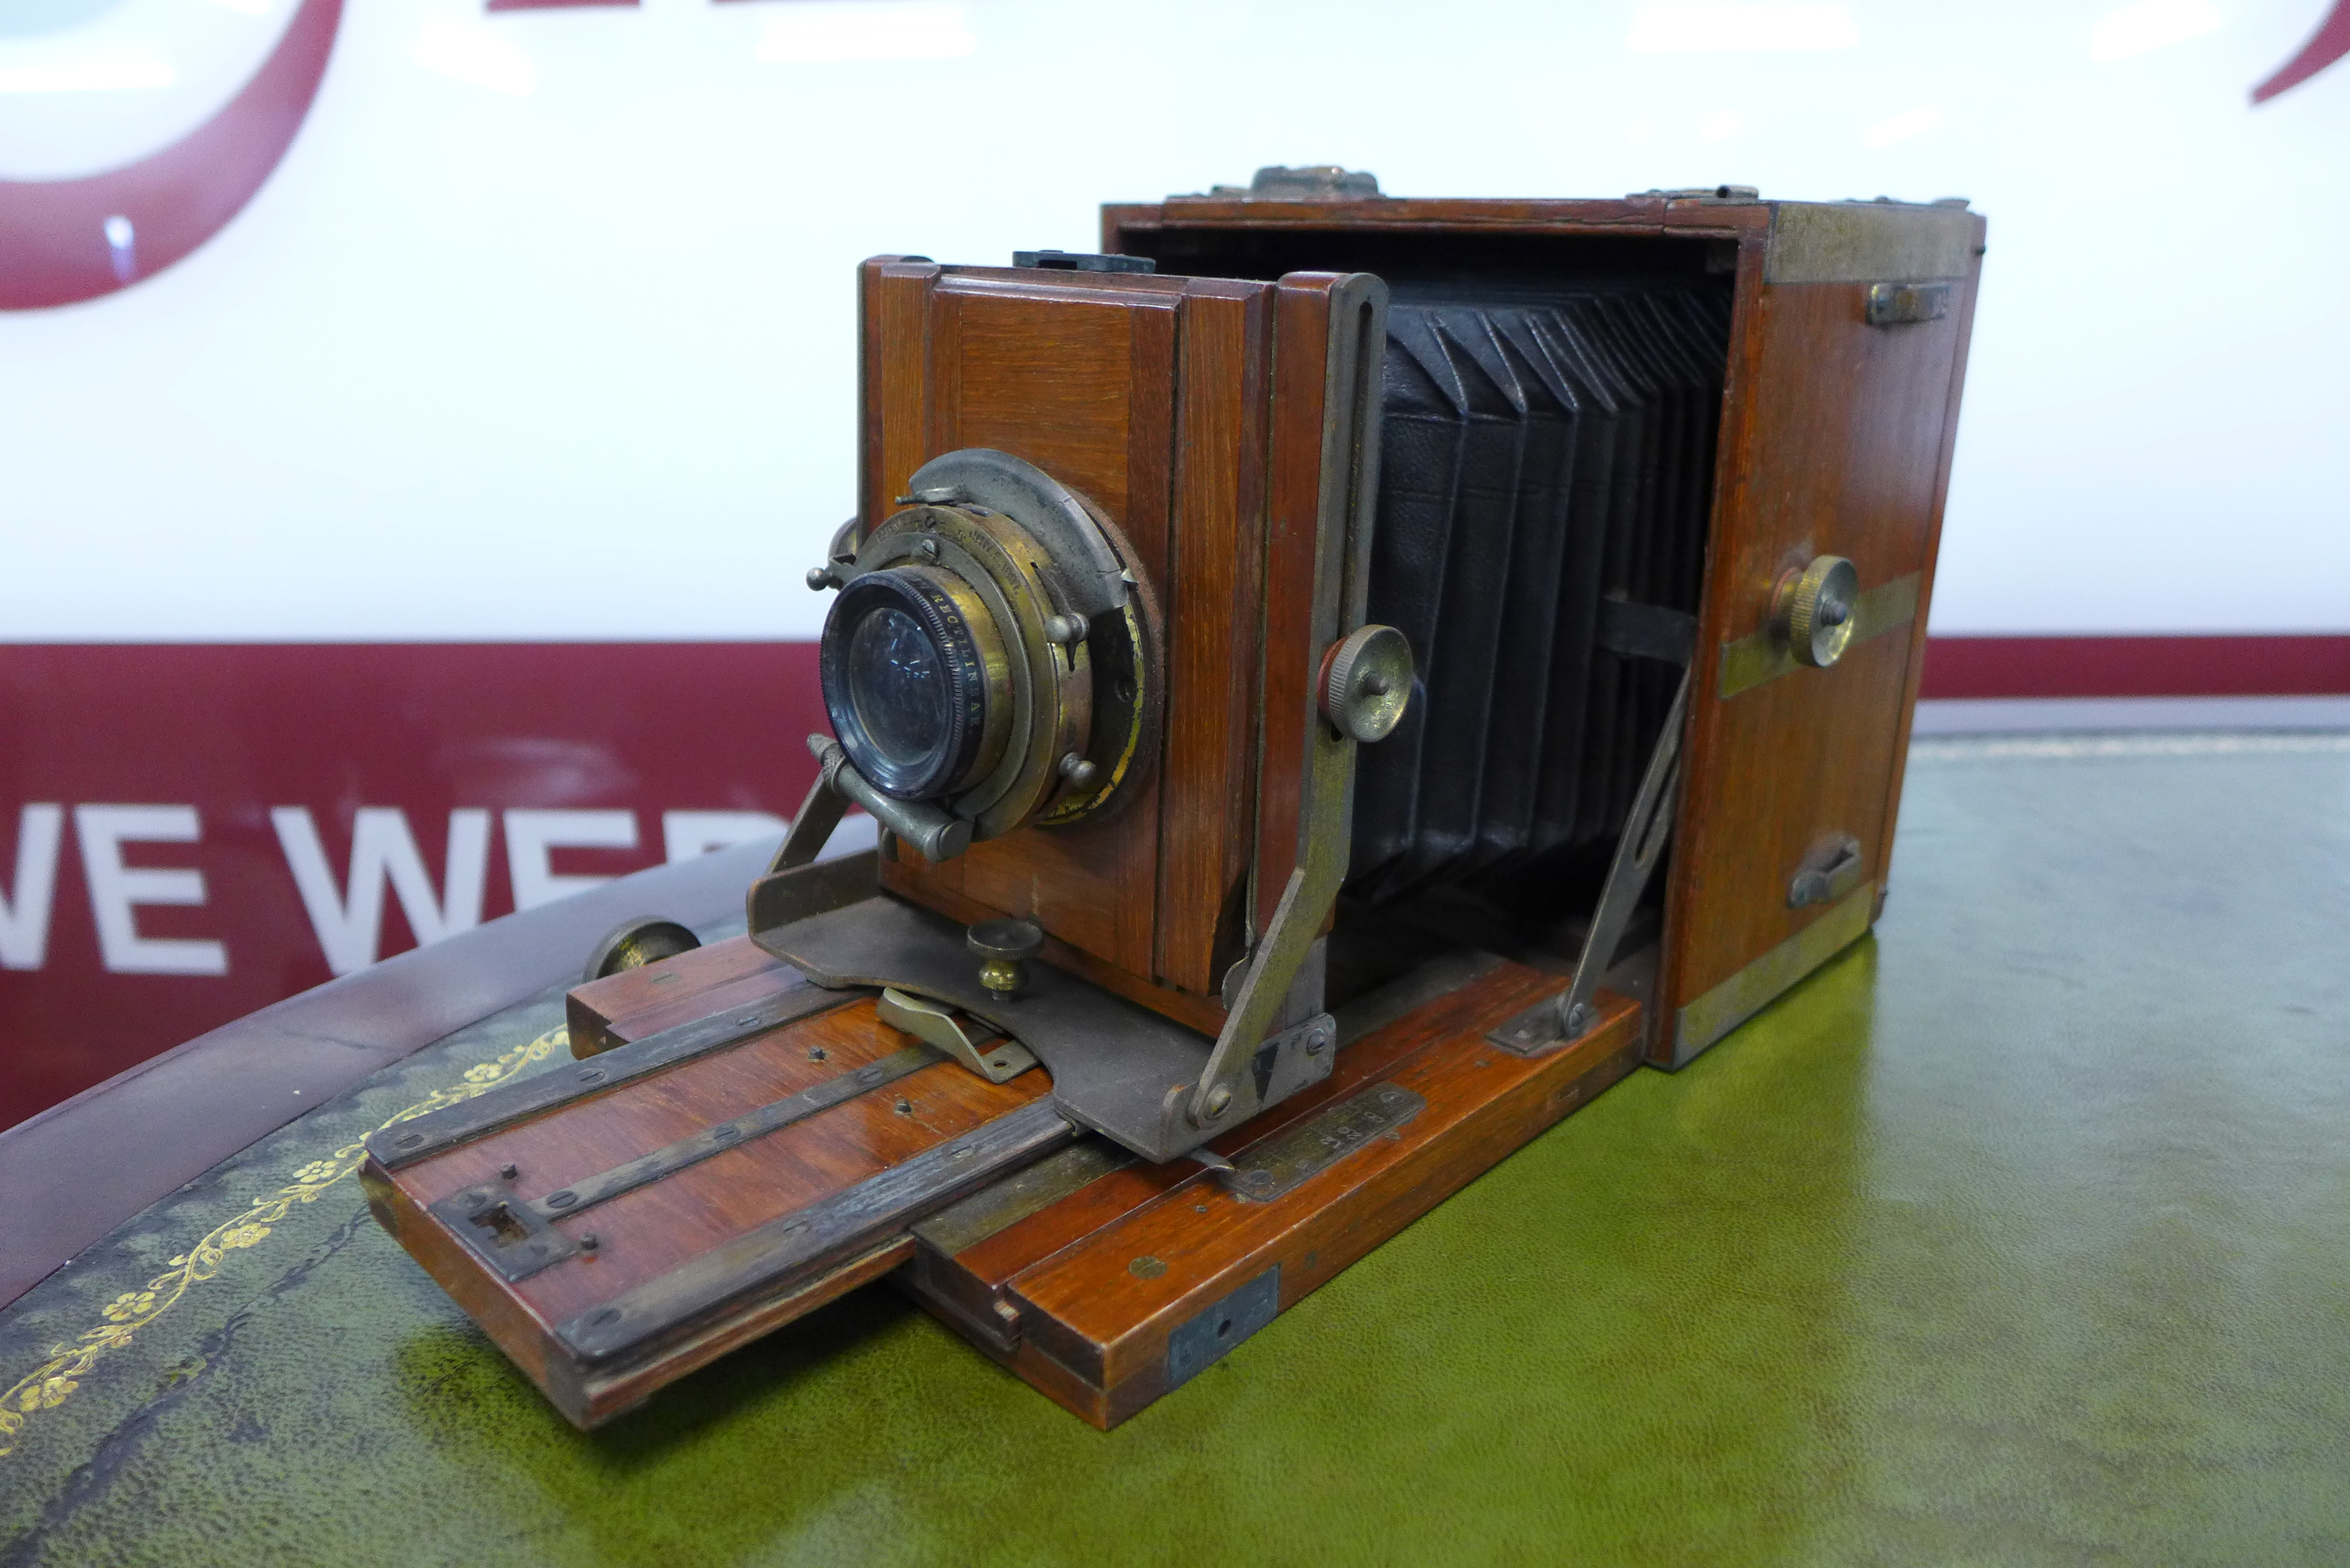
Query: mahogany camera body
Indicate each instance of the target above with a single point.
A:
(1281, 649)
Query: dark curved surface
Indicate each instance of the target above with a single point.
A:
(78, 1170)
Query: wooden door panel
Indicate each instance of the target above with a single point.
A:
(1834, 447)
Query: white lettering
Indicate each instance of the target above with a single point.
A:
(116, 890)
(532, 835)
(24, 913)
(688, 834)
(349, 919)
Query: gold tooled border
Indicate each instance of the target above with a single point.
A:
(49, 1385)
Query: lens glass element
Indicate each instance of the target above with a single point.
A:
(898, 686)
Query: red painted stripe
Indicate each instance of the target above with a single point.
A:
(2288, 666)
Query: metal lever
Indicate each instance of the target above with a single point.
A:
(1645, 831)
(1002, 1058)
(1637, 853)
(938, 835)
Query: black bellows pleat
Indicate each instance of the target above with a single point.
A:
(1538, 459)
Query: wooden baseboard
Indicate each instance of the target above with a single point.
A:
(1112, 1295)
(1104, 1281)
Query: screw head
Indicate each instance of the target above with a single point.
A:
(509, 1172)
(1220, 1100)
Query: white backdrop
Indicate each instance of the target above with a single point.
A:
(542, 330)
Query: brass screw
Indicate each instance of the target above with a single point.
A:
(1004, 948)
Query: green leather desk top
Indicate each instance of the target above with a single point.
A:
(2021, 1234)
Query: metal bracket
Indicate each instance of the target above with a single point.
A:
(1002, 1059)
(1349, 488)
(1899, 304)
(1280, 1163)
(938, 836)
(1826, 875)
(812, 829)
(1571, 1014)
(1117, 1066)
(1204, 1340)
(518, 1239)
(768, 1261)
(1081, 260)
(1312, 182)
(513, 1239)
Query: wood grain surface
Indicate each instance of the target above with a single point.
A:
(1080, 1297)
(644, 1233)
(650, 998)
(1834, 438)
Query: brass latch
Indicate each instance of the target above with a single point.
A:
(1902, 303)
(1828, 875)
(994, 1057)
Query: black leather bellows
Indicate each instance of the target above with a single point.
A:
(1546, 473)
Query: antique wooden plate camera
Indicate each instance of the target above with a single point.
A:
(1280, 650)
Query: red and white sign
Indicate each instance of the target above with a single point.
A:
(193, 833)
(416, 417)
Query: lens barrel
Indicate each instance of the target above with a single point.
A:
(904, 663)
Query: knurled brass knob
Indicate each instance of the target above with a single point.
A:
(1814, 609)
(1005, 948)
(1366, 682)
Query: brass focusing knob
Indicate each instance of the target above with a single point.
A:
(1813, 610)
(1366, 682)
(1004, 947)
